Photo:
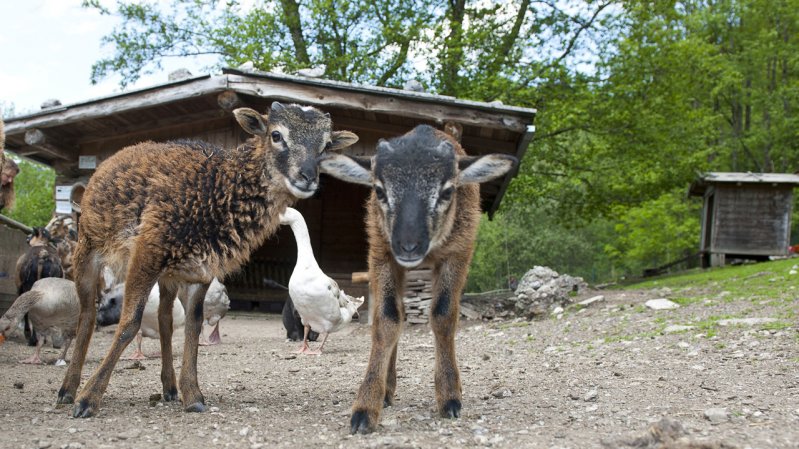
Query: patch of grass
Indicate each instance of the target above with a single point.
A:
(766, 281)
(617, 338)
(776, 326)
(684, 301)
(511, 325)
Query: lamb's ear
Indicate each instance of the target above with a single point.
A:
(251, 121)
(342, 139)
(484, 168)
(357, 170)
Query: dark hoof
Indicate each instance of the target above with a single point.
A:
(64, 398)
(82, 409)
(451, 409)
(359, 423)
(388, 401)
(197, 407)
(171, 395)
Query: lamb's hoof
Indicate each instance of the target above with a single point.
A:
(83, 409)
(451, 409)
(171, 395)
(64, 398)
(359, 423)
(197, 407)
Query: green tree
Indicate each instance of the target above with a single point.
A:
(34, 187)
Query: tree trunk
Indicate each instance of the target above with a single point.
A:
(291, 18)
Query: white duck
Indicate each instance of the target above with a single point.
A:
(149, 321)
(215, 307)
(322, 306)
(52, 307)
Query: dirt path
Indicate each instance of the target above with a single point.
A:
(601, 374)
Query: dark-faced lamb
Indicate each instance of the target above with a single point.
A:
(424, 209)
(39, 261)
(181, 213)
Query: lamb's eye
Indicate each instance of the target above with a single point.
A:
(380, 193)
(446, 194)
(276, 137)
(328, 146)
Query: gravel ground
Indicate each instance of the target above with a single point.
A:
(594, 377)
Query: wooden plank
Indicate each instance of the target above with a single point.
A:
(419, 108)
(229, 100)
(524, 142)
(37, 138)
(12, 245)
(751, 219)
(138, 100)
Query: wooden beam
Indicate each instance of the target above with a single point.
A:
(527, 137)
(230, 100)
(39, 140)
(470, 143)
(143, 99)
(10, 222)
(150, 126)
(421, 108)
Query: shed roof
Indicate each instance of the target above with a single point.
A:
(57, 136)
(699, 186)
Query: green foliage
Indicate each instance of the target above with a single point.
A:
(34, 188)
(663, 229)
(525, 236)
(634, 100)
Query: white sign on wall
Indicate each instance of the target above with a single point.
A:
(63, 192)
(87, 162)
(63, 207)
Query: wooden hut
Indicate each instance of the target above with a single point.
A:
(745, 215)
(74, 139)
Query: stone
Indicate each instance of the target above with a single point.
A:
(590, 301)
(501, 393)
(717, 415)
(746, 321)
(674, 328)
(590, 396)
(661, 304)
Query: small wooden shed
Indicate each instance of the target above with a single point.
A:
(74, 139)
(744, 215)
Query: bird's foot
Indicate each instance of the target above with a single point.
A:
(32, 360)
(137, 355)
(305, 349)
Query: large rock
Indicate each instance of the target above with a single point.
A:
(541, 289)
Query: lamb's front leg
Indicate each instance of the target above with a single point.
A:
(193, 400)
(449, 279)
(167, 294)
(136, 292)
(87, 271)
(387, 318)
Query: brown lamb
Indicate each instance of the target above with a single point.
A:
(424, 210)
(181, 213)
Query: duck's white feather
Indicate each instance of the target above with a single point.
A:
(216, 303)
(149, 319)
(317, 297)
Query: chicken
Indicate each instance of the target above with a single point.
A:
(52, 307)
(323, 307)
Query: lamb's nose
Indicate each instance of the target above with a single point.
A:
(410, 247)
